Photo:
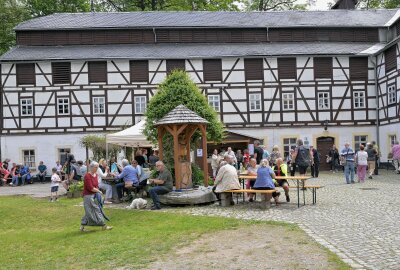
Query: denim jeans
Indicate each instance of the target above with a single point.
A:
(25, 178)
(15, 180)
(155, 191)
(349, 172)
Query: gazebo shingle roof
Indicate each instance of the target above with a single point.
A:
(181, 115)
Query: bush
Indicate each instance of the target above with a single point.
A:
(76, 187)
(197, 175)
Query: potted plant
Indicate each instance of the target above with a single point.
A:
(75, 190)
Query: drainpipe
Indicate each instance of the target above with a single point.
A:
(155, 35)
(376, 96)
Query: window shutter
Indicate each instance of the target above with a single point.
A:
(287, 68)
(97, 72)
(358, 68)
(61, 72)
(323, 67)
(175, 64)
(390, 59)
(26, 74)
(253, 69)
(212, 69)
(139, 70)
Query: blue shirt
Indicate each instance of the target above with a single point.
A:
(25, 170)
(265, 154)
(348, 153)
(129, 174)
(264, 178)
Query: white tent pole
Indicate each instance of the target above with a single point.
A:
(106, 150)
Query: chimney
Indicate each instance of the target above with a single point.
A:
(345, 4)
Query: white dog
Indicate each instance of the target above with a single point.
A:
(138, 203)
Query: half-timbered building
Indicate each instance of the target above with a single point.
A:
(324, 76)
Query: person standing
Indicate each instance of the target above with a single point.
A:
(361, 159)
(93, 212)
(163, 184)
(153, 159)
(214, 162)
(246, 158)
(334, 155)
(316, 162)
(258, 151)
(275, 154)
(347, 155)
(239, 159)
(396, 156)
(231, 156)
(371, 159)
(55, 182)
(377, 157)
(302, 157)
(291, 162)
(266, 153)
(140, 158)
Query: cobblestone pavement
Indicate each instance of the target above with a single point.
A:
(36, 190)
(359, 222)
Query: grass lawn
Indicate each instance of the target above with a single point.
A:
(36, 234)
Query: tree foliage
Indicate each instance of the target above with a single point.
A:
(374, 4)
(39, 8)
(97, 144)
(178, 89)
(268, 5)
(12, 12)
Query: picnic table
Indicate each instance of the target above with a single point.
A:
(297, 179)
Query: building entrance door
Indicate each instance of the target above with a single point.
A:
(324, 144)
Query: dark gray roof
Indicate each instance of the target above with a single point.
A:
(181, 115)
(183, 51)
(329, 18)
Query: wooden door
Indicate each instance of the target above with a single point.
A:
(324, 144)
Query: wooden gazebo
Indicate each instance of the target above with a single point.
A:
(182, 123)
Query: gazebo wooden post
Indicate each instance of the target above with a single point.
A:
(205, 163)
(160, 133)
(176, 157)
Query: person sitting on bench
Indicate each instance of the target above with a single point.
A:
(264, 181)
(226, 179)
(281, 170)
(163, 184)
(42, 172)
(130, 176)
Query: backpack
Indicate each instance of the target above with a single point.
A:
(303, 156)
(77, 172)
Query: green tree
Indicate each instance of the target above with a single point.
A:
(12, 12)
(97, 144)
(267, 5)
(39, 8)
(374, 4)
(178, 89)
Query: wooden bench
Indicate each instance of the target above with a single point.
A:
(313, 190)
(226, 196)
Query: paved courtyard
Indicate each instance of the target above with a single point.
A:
(359, 222)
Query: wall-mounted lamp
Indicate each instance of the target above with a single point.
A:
(326, 125)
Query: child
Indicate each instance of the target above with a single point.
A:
(55, 180)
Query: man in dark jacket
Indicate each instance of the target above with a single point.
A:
(316, 161)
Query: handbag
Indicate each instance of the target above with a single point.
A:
(328, 159)
(343, 160)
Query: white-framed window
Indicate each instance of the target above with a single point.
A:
(29, 158)
(392, 97)
(26, 106)
(214, 102)
(63, 106)
(288, 143)
(288, 101)
(62, 154)
(99, 105)
(359, 99)
(255, 102)
(323, 101)
(360, 140)
(140, 104)
(392, 139)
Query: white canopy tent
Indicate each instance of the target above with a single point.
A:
(130, 137)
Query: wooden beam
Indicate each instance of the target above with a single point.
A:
(205, 163)
(178, 178)
(181, 129)
(167, 128)
(160, 134)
